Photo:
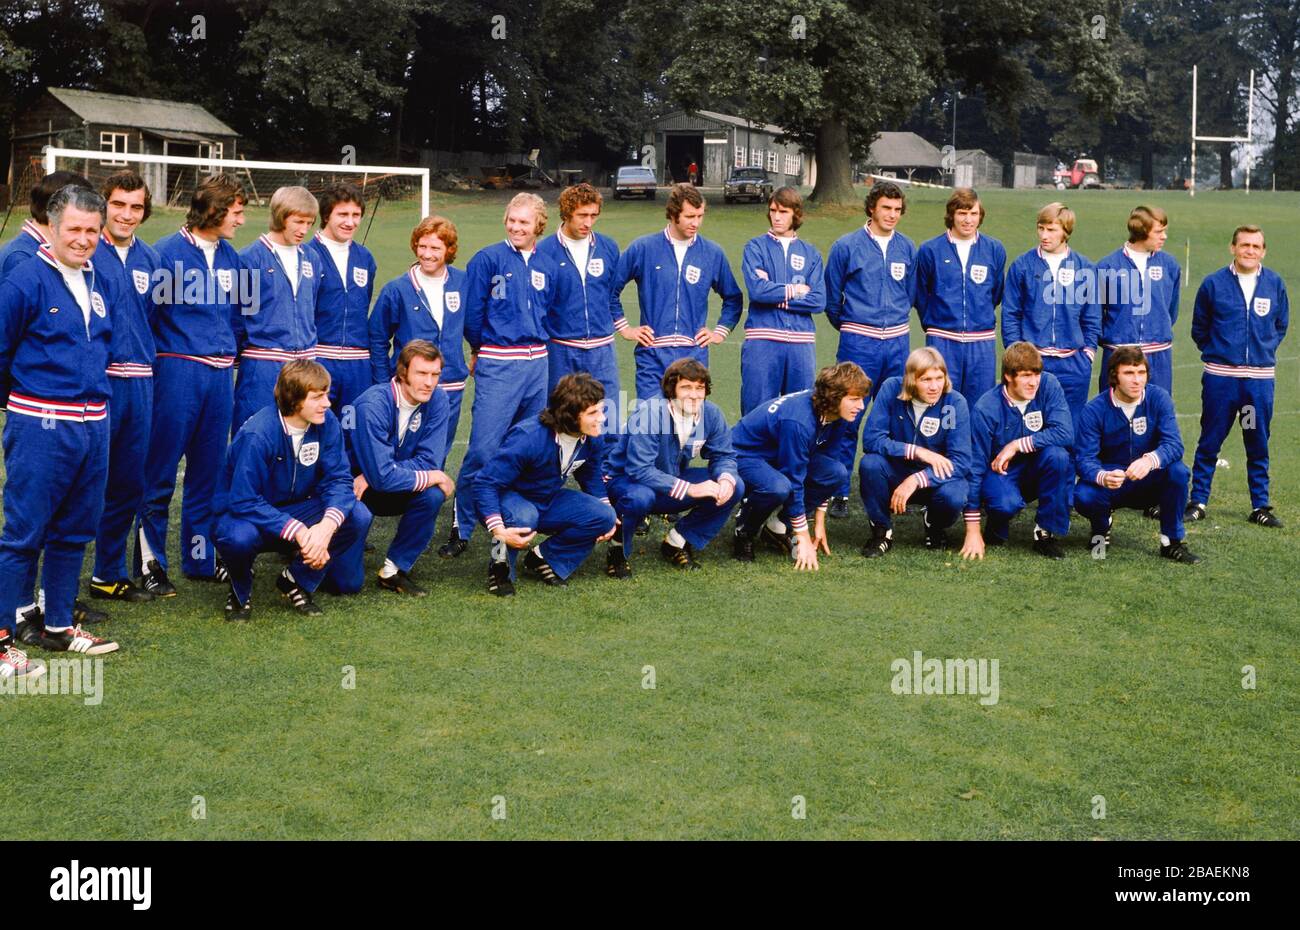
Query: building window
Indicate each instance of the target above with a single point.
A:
(211, 150)
(756, 158)
(794, 165)
(740, 156)
(114, 142)
(771, 160)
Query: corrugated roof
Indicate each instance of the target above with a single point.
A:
(904, 149)
(726, 118)
(140, 112)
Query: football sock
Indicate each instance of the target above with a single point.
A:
(675, 539)
(389, 569)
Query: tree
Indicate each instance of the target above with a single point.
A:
(831, 73)
(1272, 33)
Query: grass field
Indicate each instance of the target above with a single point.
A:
(1119, 678)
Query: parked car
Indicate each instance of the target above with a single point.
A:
(751, 183)
(635, 180)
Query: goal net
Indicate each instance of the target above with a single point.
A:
(399, 194)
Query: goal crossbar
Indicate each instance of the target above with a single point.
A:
(52, 154)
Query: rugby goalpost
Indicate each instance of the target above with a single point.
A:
(1250, 116)
(172, 178)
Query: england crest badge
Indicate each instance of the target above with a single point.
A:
(360, 276)
(1262, 305)
(306, 269)
(308, 453)
(226, 278)
(451, 299)
(1034, 420)
(1065, 276)
(979, 273)
(141, 281)
(1155, 272)
(692, 274)
(1139, 426)
(929, 426)
(97, 304)
(796, 262)
(596, 267)
(897, 270)
(539, 280)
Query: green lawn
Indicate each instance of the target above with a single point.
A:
(1119, 677)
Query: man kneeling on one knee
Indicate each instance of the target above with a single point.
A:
(287, 487)
(1020, 438)
(916, 446)
(1130, 454)
(399, 446)
(649, 469)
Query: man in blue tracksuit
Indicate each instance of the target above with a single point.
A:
(133, 267)
(398, 450)
(959, 281)
(345, 282)
(286, 486)
(202, 286)
(785, 454)
(1137, 288)
(915, 446)
(870, 290)
(55, 336)
(1129, 453)
(281, 326)
(585, 313)
(35, 231)
(1239, 319)
(427, 302)
(1020, 435)
(787, 287)
(509, 294)
(1050, 301)
(648, 469)
(674, 271)
(521, 491)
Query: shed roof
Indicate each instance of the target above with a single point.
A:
(140, 112)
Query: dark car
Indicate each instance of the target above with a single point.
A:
(635, 180)
(749, 183)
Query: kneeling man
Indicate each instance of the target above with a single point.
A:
(400, 445)
(1020, 438)
(916, 444)
(1130, 454)
(287, 487)
(786, 455)
(649, 469)
(521, 492)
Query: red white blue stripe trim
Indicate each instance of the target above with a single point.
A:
(799, 524)
(30, 228)
(212, 361)
(620, 324)
(291, 529)
(74, 411)
(680, 487)
(334, 515)
(921, 480)
(278, 355)
(779, 335)
(875, 332)
(1239, 371)
(1146, 347)
(674, 342)
(513, 353)
(597, 342)
(452, 385)
(342, 353)
(981, 335)
(129, 370)
(494, 522)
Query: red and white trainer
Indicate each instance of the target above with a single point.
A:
(75, 639)
(14, 663)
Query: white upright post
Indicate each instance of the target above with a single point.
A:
(1191, 182)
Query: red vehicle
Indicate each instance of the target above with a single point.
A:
(1084, 173)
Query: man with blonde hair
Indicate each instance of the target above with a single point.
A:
(279, 324)
(1051, 301)
(509, 291)
(915, 446)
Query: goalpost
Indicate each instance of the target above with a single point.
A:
(1250, 114)
(173, 178)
